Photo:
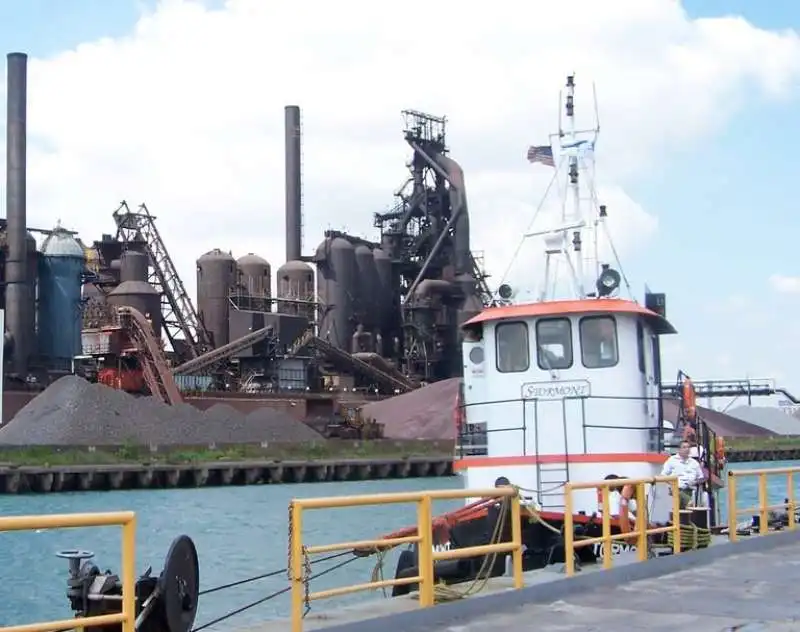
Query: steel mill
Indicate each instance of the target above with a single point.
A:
(352, 316)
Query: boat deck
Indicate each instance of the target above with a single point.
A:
(746, 586)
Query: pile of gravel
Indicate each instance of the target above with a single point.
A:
(72, 411)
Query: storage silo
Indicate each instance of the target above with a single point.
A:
(384, 293)
(367, 288)
(133, 266)
(337, 276)
(31, 272)
(296, 282)
(216, 276)
(115, 268)
(59, 317)
(142, 297)
(255, 276)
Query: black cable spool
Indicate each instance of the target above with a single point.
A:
(179, 585)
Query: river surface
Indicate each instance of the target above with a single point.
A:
(240, 532)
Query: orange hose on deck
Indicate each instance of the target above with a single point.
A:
(449, 519)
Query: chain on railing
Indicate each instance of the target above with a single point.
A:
(300, 554)
(642, 529)
(763, 508)
(127, 520)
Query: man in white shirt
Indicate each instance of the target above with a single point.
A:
(688, 471)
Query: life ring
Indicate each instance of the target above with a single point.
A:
(689, 397)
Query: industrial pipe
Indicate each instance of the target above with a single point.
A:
(294, 211)
(17, 283)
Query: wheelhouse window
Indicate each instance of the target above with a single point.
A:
(513, 354)
(554, 343)
(640, 342)
(599, 347)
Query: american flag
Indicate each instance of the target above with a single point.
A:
(542, 154)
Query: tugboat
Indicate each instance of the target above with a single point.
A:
(567, 388)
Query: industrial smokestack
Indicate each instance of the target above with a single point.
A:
(293, 184)
(16, 273)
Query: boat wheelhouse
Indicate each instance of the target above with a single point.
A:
(563, 390)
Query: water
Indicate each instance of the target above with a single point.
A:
(239, 531)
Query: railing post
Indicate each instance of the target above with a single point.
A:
(516, 538)
(425, 552)
(569, 532)
(641, 522)
(607, 543)
(296, 565)
(676, 517)
(790, 504)
(732, 513)
(763, 512)
(129, 575)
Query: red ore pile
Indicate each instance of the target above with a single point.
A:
(426, 413)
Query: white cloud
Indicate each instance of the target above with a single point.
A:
(186, 114)
(785, 284)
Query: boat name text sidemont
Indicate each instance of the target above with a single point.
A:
(556, 390)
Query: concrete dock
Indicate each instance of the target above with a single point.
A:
(37, 479)
(748, 586)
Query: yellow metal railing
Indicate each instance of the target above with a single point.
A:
(640, 533)
(423, 539)
(763, 508)
(125, 519)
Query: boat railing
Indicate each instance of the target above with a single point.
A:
(642, 530)
(764, 511)
(472, 436)
(125, 519)
(300, 553)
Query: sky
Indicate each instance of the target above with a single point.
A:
(179, 105)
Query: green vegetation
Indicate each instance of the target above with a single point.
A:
(763, 443)
(333, 449)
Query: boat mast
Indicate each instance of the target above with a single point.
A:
(574, 183)
(579, 228)
(557, 240)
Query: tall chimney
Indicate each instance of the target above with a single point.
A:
(293, 184)
(17, 288)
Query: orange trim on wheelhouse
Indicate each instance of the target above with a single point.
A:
(505, 461)
(578, 306)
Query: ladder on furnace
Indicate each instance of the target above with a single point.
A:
(182, 325)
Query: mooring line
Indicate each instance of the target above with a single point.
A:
(255, 578)
(272, 595)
